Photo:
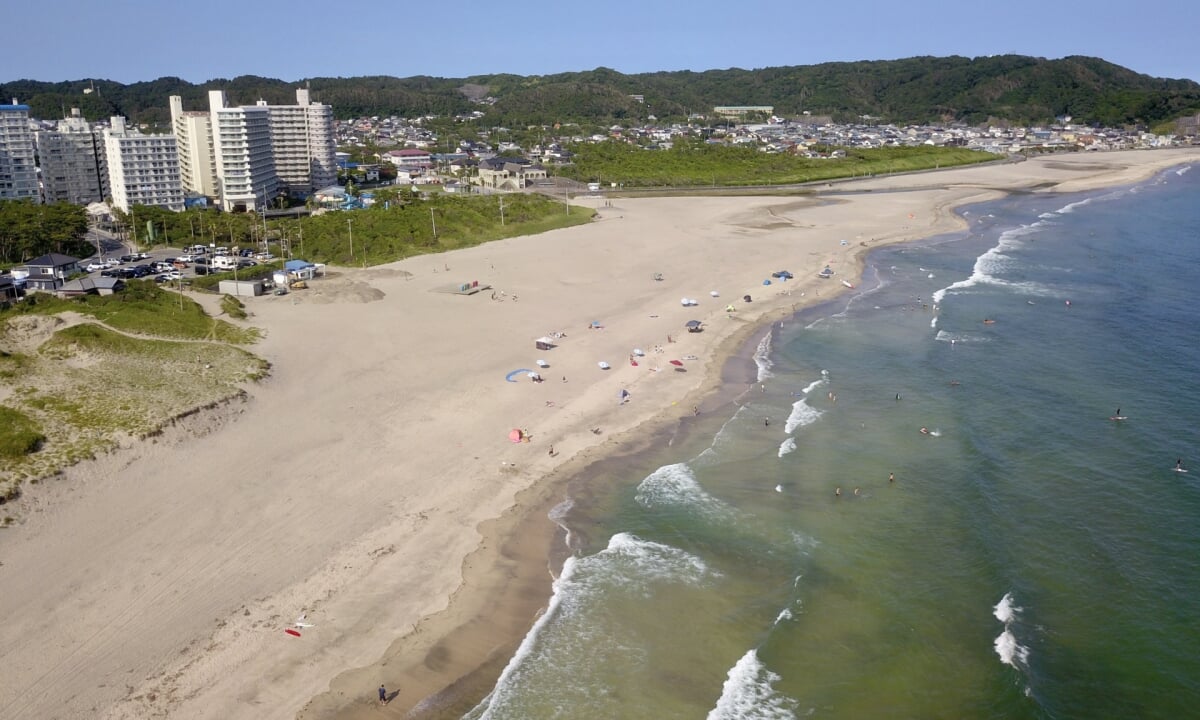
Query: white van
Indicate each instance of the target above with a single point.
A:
(224, 262)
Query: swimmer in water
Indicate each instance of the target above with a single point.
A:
(1179, 465)
(924, 431)
(891, 477)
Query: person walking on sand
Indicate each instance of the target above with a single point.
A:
(382, 695)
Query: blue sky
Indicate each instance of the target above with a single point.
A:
(135, 40)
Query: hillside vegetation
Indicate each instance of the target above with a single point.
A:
(1015, 88)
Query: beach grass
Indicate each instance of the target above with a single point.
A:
(142, 308)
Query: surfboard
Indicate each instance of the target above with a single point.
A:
(1182, 470)
(1118, 418)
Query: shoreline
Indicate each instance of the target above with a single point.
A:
(439, 699)
(370, 514)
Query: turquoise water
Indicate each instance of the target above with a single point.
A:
(1032, 558)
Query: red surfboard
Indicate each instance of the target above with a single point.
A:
(293, 633)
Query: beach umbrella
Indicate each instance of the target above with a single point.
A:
(638, 352)
(692, 324)
(603, 365)
(514, 435)
(510, 377)
(714, 293)
(543, 364)
(677, 363)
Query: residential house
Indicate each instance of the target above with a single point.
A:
(49, 272)
(499, 173)
(409, 158)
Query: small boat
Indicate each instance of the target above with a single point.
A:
(826, 273)
(848, 284)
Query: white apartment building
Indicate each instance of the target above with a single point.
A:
(303, 142)
(194, 139)
(18, 170)
(142, 169)
(243, 154)
(74, 166)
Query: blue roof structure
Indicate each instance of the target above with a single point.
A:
(14, 107)
(293, 265)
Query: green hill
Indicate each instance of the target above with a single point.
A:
(1014, 88)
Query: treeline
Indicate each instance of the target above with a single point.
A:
(1014, 88)
(28, 231)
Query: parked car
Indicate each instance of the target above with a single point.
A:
(94, 266)
(184, 258)
(128, 258)
(201, 269)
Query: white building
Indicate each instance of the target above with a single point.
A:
(18, 171)
(74, 166)
(142, 169)
(245, 159)
(194, 138)
(245, 156)
(303, 142)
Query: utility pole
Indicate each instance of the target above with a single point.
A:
(433, 222)
(501, 211)
(350, 226)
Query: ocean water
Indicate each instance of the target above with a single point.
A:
(1031, 559)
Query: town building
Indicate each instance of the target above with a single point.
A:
(303, 143)
(73, 162)
(245, 161)
(18, 169)
(142, 169)
(194, 140)
(246, 156)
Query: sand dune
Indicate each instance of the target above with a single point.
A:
(352, 483)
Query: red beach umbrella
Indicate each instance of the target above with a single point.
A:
(677, 363)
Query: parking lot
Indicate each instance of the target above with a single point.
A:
(169, 264)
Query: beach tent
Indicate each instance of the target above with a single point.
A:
(515, 435)
(766, 282)
(746, 298)
(543, 343)
(523, 371)
(693, 325)
(603, 365)
(714, 293)
(639, 352)
(543, 364)
(730, 308)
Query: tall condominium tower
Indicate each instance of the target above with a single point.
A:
(18, 171)
(142, 169)
(245, 160)
(246, 156)
(194, 138)
(74, 166)
(302, 138)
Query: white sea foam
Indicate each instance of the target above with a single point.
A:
(1005, 611)
(784, 614)
(676, 486)
(787, 446)
(933, 322)
(1070, 207)
(1010, 651)
(1048, 215)
(762, 358)
(959, 338)
(800, 416)
(993, 262)
(749, 692)
(1183, 169)
(558, 515)
(628, 564)
(813, 385)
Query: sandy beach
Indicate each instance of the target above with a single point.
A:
(370, 485)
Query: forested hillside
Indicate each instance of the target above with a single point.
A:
(1015, 88)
